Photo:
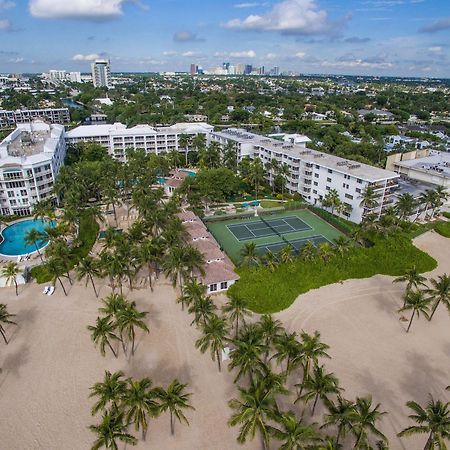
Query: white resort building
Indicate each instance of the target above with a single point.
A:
(313, 173)
(30, 159)
(117, 138)
(9, 119)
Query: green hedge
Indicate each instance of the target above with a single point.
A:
(88, 234)
(269, 292)
(344, 226)
(443, 228)
(446, 214)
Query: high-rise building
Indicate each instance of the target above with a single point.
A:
(248, 69)
(57, 75)
(101, 73)
(240, 69)
(262, 70)
(276, 71)
(225, 66)
(75, 77)
(194, 69)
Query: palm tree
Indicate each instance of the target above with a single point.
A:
(271, 330)
(236, 310)
(412, 278)
(55, 269)
(309, 251)
(319, 385)
(150, 254)
(364, 417)
(5, 319)
(174, 400)
(287, 348)
(332, 200)
(103, 334)
(110, 392)
(215, 333)
(285, 254)
(256, 174)
(249, 346)
(416, 302)
(252, 411)
(405, 206)
(368, 198)
(440, 292)
(183, 141)
(130, 318)
(325, 251)
(342, 245)
(33, 237)
(10, 272)
(434, 419)
(427, 199)
(174, 266)
(293, 433)
(249, 254)
(283, 172)
(192, 292)
(88, 268)
(270, 259)
(139, 402)
(203, 308)
(110, 430)
(339, 414)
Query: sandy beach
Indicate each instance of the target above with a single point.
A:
(51, 362)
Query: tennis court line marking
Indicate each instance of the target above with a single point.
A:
(295, 241)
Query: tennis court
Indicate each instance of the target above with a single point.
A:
(267, 227)
(271, 232)
(298, 244)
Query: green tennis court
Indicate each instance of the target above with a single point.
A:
(271, 232)
(269, 227)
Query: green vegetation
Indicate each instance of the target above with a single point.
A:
(268, 292)
(87, 235)
(443, 228)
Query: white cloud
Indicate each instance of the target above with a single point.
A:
(243, 54)
(5, 25)
(16, 60)
(169, 53)
(437, 50)
(76, 9)
(6, 4)
(246, 5)
(271, 56)
(186, 36)
(90, 57)
(289, 16)
(300, 54)
(190, 53)
(357, 63)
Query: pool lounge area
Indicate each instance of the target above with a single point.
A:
(13, 237)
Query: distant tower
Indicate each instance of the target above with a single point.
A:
(101, 73)
(248, 69)
(194, 69)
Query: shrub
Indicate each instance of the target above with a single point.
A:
(443, 228)
(344, 226)
(446, 214)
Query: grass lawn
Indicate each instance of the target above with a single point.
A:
(88, 234)
(269, 292)
(233, 247)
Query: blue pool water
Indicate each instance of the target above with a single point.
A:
(189, 172)
(13, 243)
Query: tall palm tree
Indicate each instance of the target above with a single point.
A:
(150, 254)
(342, 245)
(368, 198)
(88, 268)
(412, 278)
(293, 433)
(128, 319)
(111, 430)
(139, 403)
(427, 199)
(364, 418)
(214, 337)
(249, 255)
(434, 420)
(174, 400)
(192, 292)
(110, 392)
(249, 348)
(203, 309)
(339, 415)
(33, 237)
(5, 319)
(174, 266)
(287, 348)
(55, 269)
(309, 251)
(10, 272)
(183, 141)
(440, 292)
(270, 260)
(236, 310)
(271, 330)
(253, 409)
(332, 200)
(405, 206)
(319, 385)
(103, 333)
(285, 254)
(283, 173)
(416, 302)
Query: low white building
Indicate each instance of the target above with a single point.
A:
(30, 159)
(10, 118)
(117, 138)
(312, 174)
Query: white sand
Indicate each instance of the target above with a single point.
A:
(51, 362)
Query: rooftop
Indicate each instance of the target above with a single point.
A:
(437, 163)
(353, 168)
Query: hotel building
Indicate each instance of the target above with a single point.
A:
(117, 138)
(101, 73)
(312, 174)
(30, 159)
(10, 119)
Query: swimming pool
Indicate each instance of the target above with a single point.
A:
(14, 244)
(190, 173)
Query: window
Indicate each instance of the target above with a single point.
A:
(330, 171)
(345, 186)
(316, 183)
(328, 188)
(316, 175)
(314, 191)
(213, 287)
(223, 285)
(328, 180)
(358, 190)
(349, 196)
(359, 181)
(10, 194)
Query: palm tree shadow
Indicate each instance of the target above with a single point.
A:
(13, 362)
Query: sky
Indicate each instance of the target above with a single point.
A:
(360, 37)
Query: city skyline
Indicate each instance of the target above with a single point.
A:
(357, 37)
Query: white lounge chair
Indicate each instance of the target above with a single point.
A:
(46, 289)
(226, 354)
(51, 290)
